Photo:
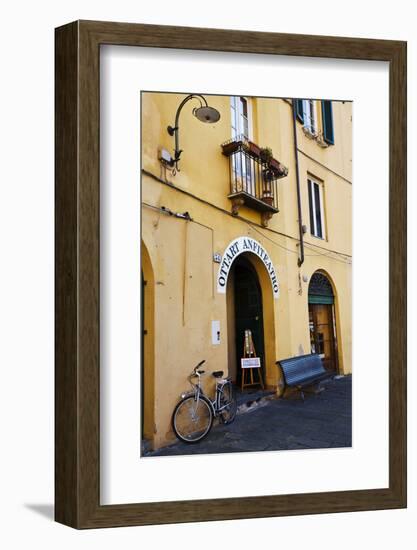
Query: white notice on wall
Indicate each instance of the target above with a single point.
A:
(215, 333)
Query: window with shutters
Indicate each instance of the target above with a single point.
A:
(307, 114)
(316, 207)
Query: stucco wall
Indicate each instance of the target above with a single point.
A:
(181, 251)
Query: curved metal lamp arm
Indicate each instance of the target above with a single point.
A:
(174, 130)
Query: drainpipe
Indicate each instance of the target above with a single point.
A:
(297, 174)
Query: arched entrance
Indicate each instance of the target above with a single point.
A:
(322, 320)
(250, 306)
(248, 311)
(147, 347)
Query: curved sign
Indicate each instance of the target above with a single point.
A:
(233, 250)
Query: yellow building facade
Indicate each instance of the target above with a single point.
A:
(250, 229)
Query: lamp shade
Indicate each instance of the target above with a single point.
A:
(207, 114)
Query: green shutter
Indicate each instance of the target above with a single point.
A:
(328, 129)
(299, 110)
(320, 290)
(312, 299)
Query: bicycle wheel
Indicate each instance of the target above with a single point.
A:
(228, 399)
(191, 419)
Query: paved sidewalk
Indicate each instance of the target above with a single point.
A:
(323, 420)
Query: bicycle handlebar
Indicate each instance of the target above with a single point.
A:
(197, 372)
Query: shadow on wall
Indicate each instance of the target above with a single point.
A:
(45, 510)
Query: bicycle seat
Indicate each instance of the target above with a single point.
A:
(217, 373)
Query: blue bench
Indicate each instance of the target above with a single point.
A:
(302, 371)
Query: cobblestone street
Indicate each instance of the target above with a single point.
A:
(322, 420)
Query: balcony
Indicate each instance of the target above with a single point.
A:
(254, 176)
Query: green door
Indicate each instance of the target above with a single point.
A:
(248, 311)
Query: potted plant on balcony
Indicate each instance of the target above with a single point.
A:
(240, 143)
(231, 146)
(266, 155)
(252, 148)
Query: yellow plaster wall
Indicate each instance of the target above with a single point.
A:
(181, 252)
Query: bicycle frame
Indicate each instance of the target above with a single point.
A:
(198, 390)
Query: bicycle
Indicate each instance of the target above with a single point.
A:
(193, 415)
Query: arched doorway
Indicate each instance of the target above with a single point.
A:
(322, 320)
(246, 313)
(147, 347)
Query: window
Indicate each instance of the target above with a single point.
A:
(306, 113)
(240, 116)
(315, 200)
(309, 112)
(242, 166)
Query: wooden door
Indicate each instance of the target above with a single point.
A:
(323, 334)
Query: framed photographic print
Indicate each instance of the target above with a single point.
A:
(230, 274)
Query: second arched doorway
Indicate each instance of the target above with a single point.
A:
(322, 320)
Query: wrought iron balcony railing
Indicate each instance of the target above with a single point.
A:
(253, 177)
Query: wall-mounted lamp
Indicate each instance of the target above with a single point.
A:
(204, 113)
